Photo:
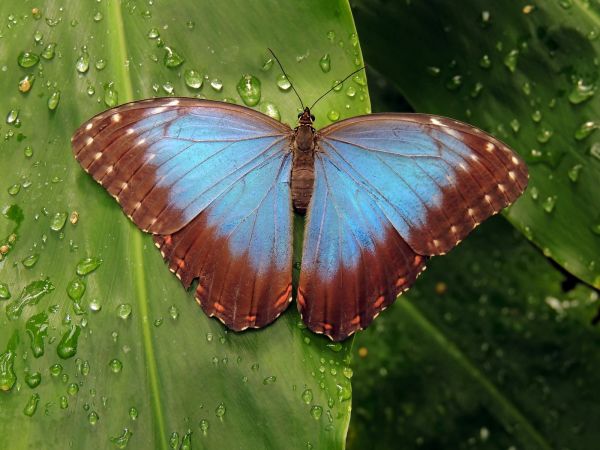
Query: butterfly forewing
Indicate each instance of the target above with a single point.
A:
(211, 181)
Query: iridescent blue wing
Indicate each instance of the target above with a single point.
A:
(210, 181)
(390, 191)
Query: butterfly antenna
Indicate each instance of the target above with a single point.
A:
(336, 85)
(286, 76)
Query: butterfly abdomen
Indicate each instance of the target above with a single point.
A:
(303, 168)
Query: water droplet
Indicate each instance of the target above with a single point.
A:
(4, 291)
(193, 79)
(574, 172)
(100, 64)
(220, 411)
(56, 370)
(172, 59)
(351, 91)
(58, 221)
(173, 312)
(565, 4)
(586, 128)
(111, 96)
(249, 89)
(98, 16)
(95, 305)
(333, 115)
(510, 60)
(8, 378)
(549, 203)
(49, 51)
(331, 36)
(115, 365)
(76, 289)
(267, 64)
(485, 62)
(536, 115)
(27, 59)
(477, 88)
(33, 379)
(204, 426)
(67, 347)
(26, 83)
(271, 110)
(83, 62)
(515, 125)
(133, 413)
(93, 418)
(337, 85)
(14, 189)
(158, 322)
(316, 411)
(454, 83)
(32, 404)
(216, 84)
(595, 150)
(270, 380)
(186, 441)
(307, 396)
(124, 311)
(283, 83)
(153, 33)
(174, 440)
(434, 71)
(73, 389)
(37, 330)
(544, 134)
(53, 100)
(325, 63)
(581, 92)
(12, 116)
(88, 265)
(30, 296)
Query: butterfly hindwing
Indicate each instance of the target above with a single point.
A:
(210, 180)
(414, 183)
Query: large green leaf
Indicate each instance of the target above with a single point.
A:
(492, 349)
(164, 372)
(528, 73)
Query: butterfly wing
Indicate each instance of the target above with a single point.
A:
(390, 191)
(211, 181)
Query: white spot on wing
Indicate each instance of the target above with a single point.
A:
(89, 140)
(88, 127)
(501, 188)
(173, 103)
(109, 169)
(512, 176)
(435, 121)
(129, 131)
(159, 109)
(97, 156)
(515, 160)
(116, 117)
(489, 147)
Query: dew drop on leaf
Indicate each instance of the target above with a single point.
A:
(124, 311)
(172, 59)
(193, 79)
(249, 89)
(32, 404)
(27, 59)
(325, 63)
(67, 347)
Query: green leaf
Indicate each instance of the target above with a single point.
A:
(492, 349)
(529, 75)
(129, 359)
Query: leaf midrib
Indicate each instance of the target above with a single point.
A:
(455, 353)
(120, 50)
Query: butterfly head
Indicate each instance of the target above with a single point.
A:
(305, 117)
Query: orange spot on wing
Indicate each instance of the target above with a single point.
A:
(327, 326)
(379, 301)
(282, 300)
(356, 320)
(401, 281)
(218, 307)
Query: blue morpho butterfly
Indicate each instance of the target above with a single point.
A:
(217, 184)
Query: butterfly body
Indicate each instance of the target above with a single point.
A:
(216, 185)
(303, 163)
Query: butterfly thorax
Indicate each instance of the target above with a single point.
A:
(303, 164)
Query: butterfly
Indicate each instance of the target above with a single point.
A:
(217, 184)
